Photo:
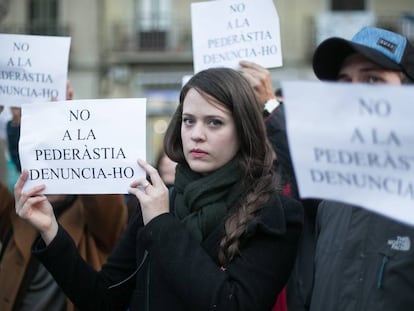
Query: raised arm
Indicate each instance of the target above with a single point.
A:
(260, 79)
(35, 208)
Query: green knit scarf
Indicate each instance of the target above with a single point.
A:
(203, 201)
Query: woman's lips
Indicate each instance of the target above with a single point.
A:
(198, 153)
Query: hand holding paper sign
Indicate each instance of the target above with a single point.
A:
(248, 29)
(83, 154)
(224, 183)
(35, 68)
(260, 79)
(35, 208)
(153, 196)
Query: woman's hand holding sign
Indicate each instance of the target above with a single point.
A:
(153, 196)
(35, 208)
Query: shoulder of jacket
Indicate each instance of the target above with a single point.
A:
(278, 213)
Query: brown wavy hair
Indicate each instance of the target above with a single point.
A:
(230, 89)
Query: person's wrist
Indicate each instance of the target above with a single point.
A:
(49, 234)
(269, 106)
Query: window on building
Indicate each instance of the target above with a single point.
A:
(154, 14)
(154, 21)
(43, 17)
(348, 5)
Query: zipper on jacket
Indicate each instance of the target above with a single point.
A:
(133, 274)
(381, 272)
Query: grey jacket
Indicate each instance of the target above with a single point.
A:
(363, 261)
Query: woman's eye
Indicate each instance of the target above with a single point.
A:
(215, 122)
(187, 121)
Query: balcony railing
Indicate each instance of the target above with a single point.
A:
(175, 38)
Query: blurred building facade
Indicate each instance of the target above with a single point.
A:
(143, 48)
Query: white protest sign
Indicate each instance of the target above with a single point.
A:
(353, 143)
(32, 68)
(83, 146)
(226, 32)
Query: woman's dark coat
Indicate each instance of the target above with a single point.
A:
(161, 267)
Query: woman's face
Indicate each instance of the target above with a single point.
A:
(208, 133)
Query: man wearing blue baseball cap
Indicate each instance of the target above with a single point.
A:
(388, 50)
(363, 261)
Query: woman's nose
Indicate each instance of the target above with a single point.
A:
(198, 132)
